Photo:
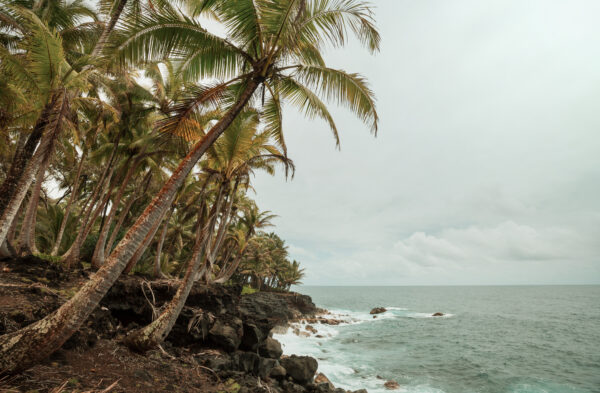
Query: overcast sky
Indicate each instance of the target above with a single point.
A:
(486, 169)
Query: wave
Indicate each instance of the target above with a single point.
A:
(333, 359)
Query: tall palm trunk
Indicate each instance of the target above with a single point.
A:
(27, 235)
(21, 349)
(101, 43)
(139, 253)
(153, 334)
(68, 207)
(94, 209)
(98, 257)
(214, 250)
(161, 240)
(123, 215)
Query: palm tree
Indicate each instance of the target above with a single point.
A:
(272, 44)
(47, 76)
(231, 158)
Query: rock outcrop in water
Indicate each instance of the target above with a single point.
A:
(438, 314)
(378, 310)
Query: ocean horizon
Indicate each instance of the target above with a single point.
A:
(491, 339)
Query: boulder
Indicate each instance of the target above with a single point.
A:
(311, 329)
(248, 362)
(302, 369)
(252, 337)
(225, 335)
(438, 314)
(378, 310)
(322, 379)
(278, 372)
(270, 348)
(391, 385)
(265, 366)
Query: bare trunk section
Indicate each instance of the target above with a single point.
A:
(70, 203)
(157, 269)
(71, 257)
(143, 247)
(98, 257)
(27, 235)
(22, 349)
(99, 47)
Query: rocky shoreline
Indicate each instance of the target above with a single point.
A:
(222, 341)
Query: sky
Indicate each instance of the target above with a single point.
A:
(486, 167)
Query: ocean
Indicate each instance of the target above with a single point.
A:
(501, 339)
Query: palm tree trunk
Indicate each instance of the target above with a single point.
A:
(31, 168)
(122, 216)
(72, 255)
(101, 43)
(27, 235)
(139, 253)
(70, 203)
(23, 348)
(157, 269)
(153, 334)
(98, 257)
(23, 156)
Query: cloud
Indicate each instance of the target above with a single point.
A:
(486, 165)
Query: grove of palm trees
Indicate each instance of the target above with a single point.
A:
(131, 133)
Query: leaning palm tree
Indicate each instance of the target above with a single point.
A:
(271, 45)
(241, 149)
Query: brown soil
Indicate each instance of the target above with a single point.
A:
(110, 367)
(93, 360)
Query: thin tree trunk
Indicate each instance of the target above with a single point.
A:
(101, 43)
(161, 240)
(98, 257)
(27, 235)
(139, 253)
(23, 348)
(70, 203)
(72, 255)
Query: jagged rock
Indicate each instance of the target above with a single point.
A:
(291, 387)
(438, 314)
(252, 337)
(302, 369)
(270, 348)
(322, 379)
(226, 336)
(391, 385)
(247, 361)
(378, 310)
(311, 329)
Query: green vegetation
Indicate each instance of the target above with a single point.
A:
(150, 127)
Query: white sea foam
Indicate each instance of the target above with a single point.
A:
(333, 362)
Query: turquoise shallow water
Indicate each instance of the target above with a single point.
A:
(538, 339)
